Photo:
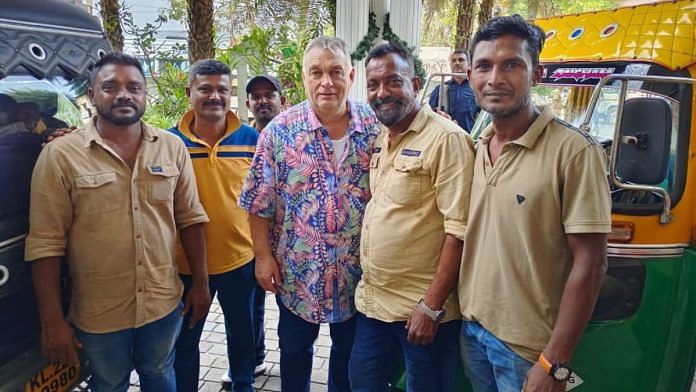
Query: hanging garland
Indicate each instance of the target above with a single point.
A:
(391, 37)
(368, 42)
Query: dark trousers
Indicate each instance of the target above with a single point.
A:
(296, 339)
(235, 292)
(259, 312)
(429, 368)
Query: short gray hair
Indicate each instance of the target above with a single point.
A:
(333, 44)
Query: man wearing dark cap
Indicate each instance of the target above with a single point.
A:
(265, 99)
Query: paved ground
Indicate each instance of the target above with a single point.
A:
(214, 354)
(214, 358)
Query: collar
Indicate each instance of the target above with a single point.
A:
(417, 125)
(531, 136)
(92, 135)
(454, 82)
(355, 123)
(233, 124)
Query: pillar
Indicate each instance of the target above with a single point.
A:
(405, 19)
(351, 26)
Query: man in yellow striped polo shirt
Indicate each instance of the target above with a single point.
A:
(221, 150)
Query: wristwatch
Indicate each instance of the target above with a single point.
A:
(435, 315)
(559, 371)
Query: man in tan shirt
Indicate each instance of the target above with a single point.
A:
(110, 198)
(535, 249)
(411, 242)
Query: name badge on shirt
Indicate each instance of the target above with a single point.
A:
(156, 169)
(410, 153)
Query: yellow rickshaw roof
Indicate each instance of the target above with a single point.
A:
(662, 33)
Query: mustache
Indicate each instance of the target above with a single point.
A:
(379, 102)
(496, 93)
(214, 102)
(124, 104)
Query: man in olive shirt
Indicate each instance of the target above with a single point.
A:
(111, 197)
(535, 250)
(411, 242)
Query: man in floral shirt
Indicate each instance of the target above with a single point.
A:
(306, 193)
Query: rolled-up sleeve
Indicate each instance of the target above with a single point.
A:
(50, 211)
(453, 165)
(259, 193)
(188, 209)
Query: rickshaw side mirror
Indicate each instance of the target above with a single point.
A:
(645, 138)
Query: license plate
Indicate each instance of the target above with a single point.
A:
(54, 378)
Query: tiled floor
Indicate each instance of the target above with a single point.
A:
(214, 354)
(214, 358)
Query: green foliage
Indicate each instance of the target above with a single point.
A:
(438, 24)
(167, 100)
(273, 51)
(440, 16)
(171, 102)
(290, 68)
(368, 40)
(258, 49)
(546, 8)
(390, 36)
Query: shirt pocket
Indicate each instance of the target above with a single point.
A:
(161, 182)
(374, 171)
(405, 183)
(97, 193)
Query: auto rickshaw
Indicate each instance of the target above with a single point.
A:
(627, 77)
(46, 50)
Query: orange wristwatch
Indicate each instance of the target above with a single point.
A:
(559, 371)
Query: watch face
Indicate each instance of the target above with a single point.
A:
(561, 373)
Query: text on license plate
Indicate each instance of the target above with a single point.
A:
(53, 378)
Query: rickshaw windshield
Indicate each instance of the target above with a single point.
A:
(571, 102)
(46, 104)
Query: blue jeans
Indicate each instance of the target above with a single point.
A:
(259, 311)
(296, 338)
(489, 363)
(430, 368)
(149, 349)
(235, 292)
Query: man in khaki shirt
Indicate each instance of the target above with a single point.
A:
(411, 241)
(110, 198)
(535, 250)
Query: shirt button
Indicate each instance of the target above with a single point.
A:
(138, 236)
(140, 290)
(135, 208)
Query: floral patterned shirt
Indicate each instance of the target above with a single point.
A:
(315, 206)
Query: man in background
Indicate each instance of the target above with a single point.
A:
(459, 102)
(265, 100)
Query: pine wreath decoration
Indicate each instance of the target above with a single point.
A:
(368, 40)
(390, 36)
